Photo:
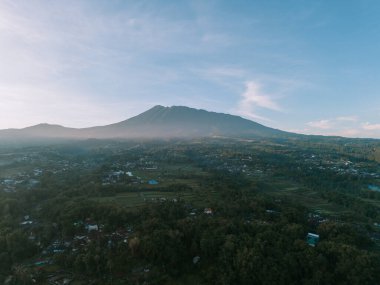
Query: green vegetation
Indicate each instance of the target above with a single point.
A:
(222, 212)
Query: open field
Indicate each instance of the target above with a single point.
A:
(305, 197)
(13, 170)
(372, 202)
(141, 198)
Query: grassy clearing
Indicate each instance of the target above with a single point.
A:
(138, 199)
(167, 175)
(12, 171)
(306, 197)
(198, 197)
(372, 202)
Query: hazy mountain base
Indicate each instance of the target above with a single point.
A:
(265, 196)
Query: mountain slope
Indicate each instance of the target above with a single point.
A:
(179, 121)
(157, 122)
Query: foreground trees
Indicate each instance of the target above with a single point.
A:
(250, 234)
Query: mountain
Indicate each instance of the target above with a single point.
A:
(41, 130)
(157, 122)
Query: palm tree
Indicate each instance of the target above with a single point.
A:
(22, 274)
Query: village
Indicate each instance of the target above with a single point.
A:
(78, 196)
(26, 170)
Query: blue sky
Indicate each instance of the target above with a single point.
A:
(304, 66)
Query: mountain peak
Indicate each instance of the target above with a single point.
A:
(157, 107)
(163, 122)
(182, 121)
(44, 126)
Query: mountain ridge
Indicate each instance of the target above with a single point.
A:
(157, 122)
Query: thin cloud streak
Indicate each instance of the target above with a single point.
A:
(322, 124)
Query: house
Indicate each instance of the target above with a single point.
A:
(151, 168)
(269, 211)
(117, 173)
(312, 239)
(374, 188)
(41, 262)
(152, 182)
(8, 181)
(93, 227)
(196, 259)
(208, 211)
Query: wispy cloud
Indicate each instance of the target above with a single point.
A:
(253, 99)
(322, 124)
(222, 72)
(348, 126)
(350, 133)
(371, 127)
(341, 122)
(348, 118)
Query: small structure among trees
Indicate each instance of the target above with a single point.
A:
(312, 239)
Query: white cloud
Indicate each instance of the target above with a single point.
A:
(342, 122)
(346, 126)
(349, 133)
(371, 127)
(348, 118)
(253, 99)
(322, 124)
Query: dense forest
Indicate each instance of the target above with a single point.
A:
(217, 212)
